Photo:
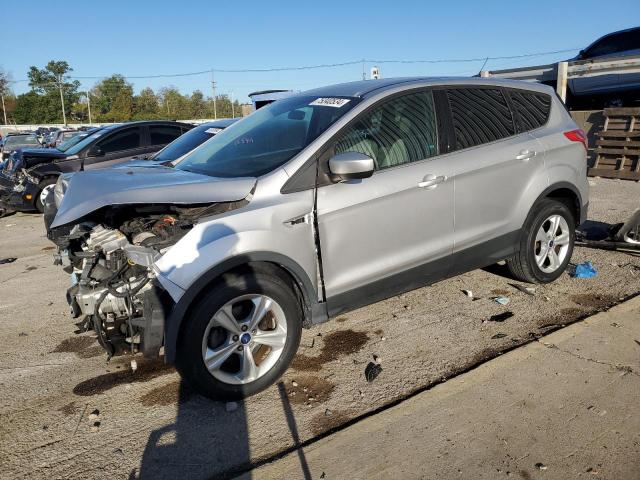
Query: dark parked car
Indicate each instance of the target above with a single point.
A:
(184, 144)
(13, 142)
(30, 174)
(615, 88)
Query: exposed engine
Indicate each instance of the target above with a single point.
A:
(111, 266)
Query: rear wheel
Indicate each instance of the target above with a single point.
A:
(241, 338)
(44, 187)
(546, 245)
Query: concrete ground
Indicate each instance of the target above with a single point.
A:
(565, 406)
(67, 413)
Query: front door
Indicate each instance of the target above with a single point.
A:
(117, 148)
(391, 232)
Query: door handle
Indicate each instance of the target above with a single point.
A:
(431, 181)
(525, 155)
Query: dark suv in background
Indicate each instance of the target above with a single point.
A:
(29, 174)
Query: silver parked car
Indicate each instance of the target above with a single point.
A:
(314, 205)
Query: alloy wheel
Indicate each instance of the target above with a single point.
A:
(552, 243)
(244, 339)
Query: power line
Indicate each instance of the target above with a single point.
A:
(323, 65)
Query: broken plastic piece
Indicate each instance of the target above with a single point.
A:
(584, 270)
(525, 289)
(372, 371)
(7, 260)
(500, 317)
(468, 293)
(502, 300)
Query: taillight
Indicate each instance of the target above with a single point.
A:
(577, 136)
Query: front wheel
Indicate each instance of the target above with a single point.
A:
(44, 187)
(240, 338)
(546, 245)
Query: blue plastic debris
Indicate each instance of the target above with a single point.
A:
(584, 270)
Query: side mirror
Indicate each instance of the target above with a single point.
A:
(96, 151)
(351, 165)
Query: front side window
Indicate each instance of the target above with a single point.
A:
(268, 138)
(163, 134)
(616, 43)
(399, 131)
(123, 140)
(480, 115)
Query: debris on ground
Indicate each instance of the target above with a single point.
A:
(541, 466)
(7, 260)
(134, 365)
(584, 270)
(376, 359)
(499, 335)
(468, 293)
(502, 300)
(524, 289)
(294, 383)
(500, 317)
(231, 407)
(94, 415)
(372, 371)
(327, 412)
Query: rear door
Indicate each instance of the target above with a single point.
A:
(162, 135)
(117, 147)
(495, 165)
(391, 232)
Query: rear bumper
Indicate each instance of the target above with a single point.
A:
(584, 212)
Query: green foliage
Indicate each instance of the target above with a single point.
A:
(112, 100)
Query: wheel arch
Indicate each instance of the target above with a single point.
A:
(568, 194)
(268, 262)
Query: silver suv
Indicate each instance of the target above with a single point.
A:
(312, 206)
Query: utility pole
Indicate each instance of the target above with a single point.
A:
(213, 89)
(64, 115)
(3, 108)
(364, 75)
(233, 109)
(89, 106)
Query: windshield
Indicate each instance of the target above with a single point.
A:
(268, 138)
(66, 145)
(21, 140)
(185, 143)
(73, 150)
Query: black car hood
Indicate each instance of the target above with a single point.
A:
(30, 157)
(89, 191)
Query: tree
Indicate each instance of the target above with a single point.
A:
(122, 108)
(51, 83)
(197, 105)
(104, 95)
(174, 104)
(146, 105)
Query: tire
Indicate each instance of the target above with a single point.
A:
(201, 335)
(525, 264)
(47, 182)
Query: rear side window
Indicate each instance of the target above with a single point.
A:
(531, 109)
(123, 140)
(480, 115)
(399, 131)
(163, 134)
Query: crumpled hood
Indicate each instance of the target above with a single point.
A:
(89, 191)
(27, 158)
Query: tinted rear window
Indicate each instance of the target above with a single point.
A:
(480, 115)
(532, 109)
(163, 134)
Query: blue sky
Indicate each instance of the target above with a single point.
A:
(137, 38)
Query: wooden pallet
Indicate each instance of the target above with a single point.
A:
(618, 145)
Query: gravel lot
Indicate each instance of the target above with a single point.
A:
(66, 413)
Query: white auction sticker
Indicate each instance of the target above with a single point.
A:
(213, 130)
(330, 102)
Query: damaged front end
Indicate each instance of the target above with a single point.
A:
(110, 255)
